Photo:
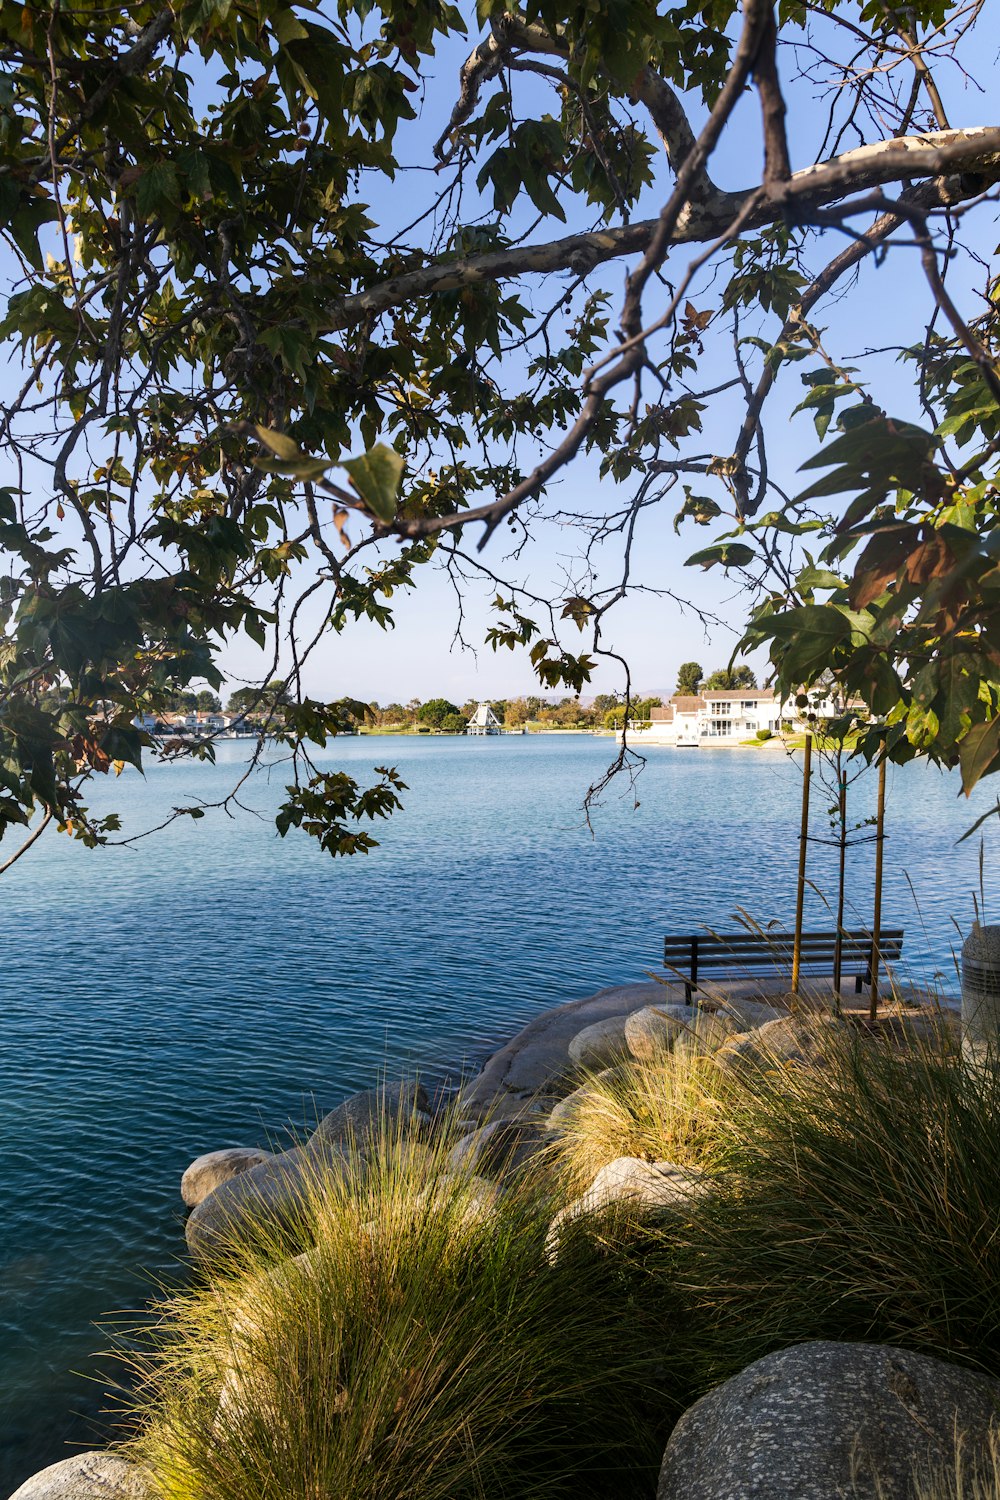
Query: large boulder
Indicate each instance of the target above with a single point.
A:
(826, 1421)
(746, 1011)
(390, 1108)
(927, 1029)
(630, 1182)
(85, 1476)
(652, 1031)
(270, 1197)
(497, 1149)
(563, 1113)
(509, 1111)
(600, 1045)
(210, 1171)
(470, 1201)
(791, 1041)
(536, 1061)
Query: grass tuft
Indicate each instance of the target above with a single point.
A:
(859, 1200)
(670, 1109)
(421, 1347)
(973, 1474)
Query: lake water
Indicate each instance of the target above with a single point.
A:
(213, 985)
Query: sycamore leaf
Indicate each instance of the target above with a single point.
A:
(977, 752)
(377, 476)
(288, 27)
(278, 443)
(339, 517)
(303, 468)
(158, 189)
(700, 508)
(729, 554)
(577, 609)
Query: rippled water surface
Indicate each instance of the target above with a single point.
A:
(215, 984)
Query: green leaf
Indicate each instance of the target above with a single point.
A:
(120, 743)
(305, 468)
(960, 694)
(378, 476)
(729, 554)
(278, 443)
(24, 227)
(700, 508)
(978, 751)
(158, 188)
(288, 28)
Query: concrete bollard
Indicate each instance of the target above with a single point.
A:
(981, 995)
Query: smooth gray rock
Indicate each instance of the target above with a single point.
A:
(535, 1110)
(472, 1200)
(210, 1171)
(564, 1112)
(248, 1386)
(747, 1012)
(537, 1060)
(790, 1040)
(599, 1046)
(652, 1031)
(392, 1107)
(827, 1421)
(85, 1476)
(499, 1148)
(629, 1180)
(925, 1030)
(271, 1196)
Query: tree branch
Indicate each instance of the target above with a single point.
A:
(976, 149)
(777, 165)
(509, 35)
(29, 841)
(925, 76)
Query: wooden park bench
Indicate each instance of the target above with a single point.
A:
(692, 956)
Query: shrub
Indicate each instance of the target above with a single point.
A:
(423, 1347)
(765, 734)
(672, 1109)
(859, 1200)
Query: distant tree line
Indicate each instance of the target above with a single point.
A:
(606, 710)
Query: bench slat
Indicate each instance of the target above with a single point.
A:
(696, 953)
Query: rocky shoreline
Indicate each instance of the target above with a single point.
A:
(756, 1436)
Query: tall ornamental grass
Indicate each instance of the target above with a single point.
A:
(423, 1348)
(670, 1109)
(858, 1200)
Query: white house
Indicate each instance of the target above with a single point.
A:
(484, 721)
(725, 716)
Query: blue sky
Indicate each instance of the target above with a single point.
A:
(887, 306)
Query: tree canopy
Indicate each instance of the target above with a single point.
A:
(435, 711)
(689, 675)
(286, 328)
(728, 678)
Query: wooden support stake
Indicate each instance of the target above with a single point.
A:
(801, 893)
(877, 914)
(838, 952)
